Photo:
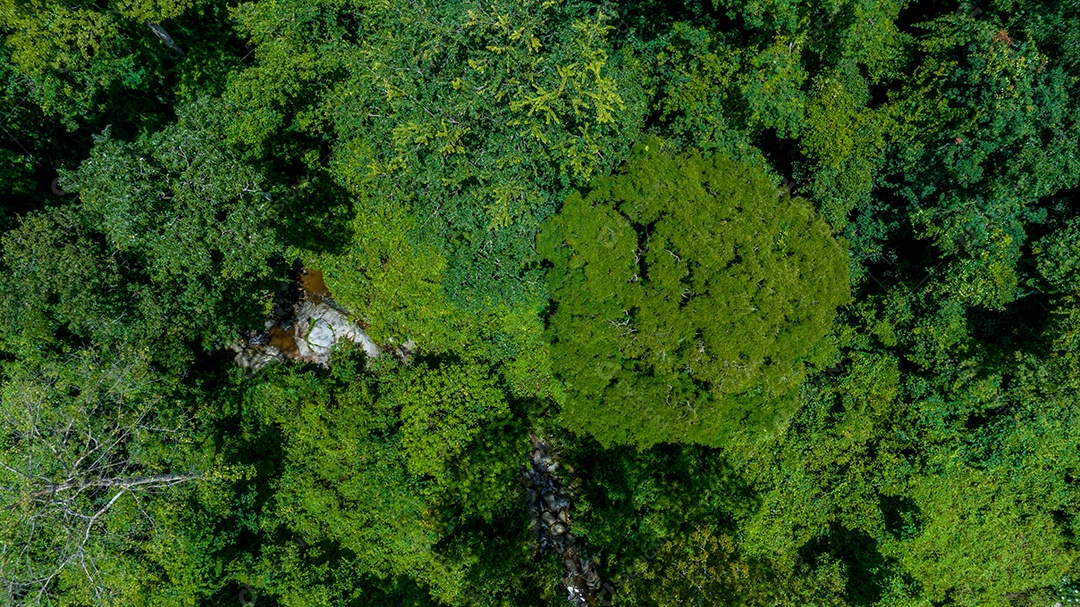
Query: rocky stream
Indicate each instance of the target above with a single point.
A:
(549, 505)
(304, 325)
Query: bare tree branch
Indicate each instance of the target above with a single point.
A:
(84, 432)
(165, 37)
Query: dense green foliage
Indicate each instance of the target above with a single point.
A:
(687, 293)
(792, 289)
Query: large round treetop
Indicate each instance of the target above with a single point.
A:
(689, 292)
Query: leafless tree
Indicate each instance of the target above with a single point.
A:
(82, 438)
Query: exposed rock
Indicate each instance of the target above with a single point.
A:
(321, 335)
(306, 325)
(549, 504)
(592, 580)
(318, 326)
(254, 358)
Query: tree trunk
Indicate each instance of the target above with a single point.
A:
(165, 37)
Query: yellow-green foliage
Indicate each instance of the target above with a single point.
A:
(74, 54)
(397, 287)
(453, 418)
(476, 116)
(688, 293)
(847, 139)
(394, 285)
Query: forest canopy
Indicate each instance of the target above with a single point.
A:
(344, 303)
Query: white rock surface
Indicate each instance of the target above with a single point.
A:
(318, 326)
(315, 327)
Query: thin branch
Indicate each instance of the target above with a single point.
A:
(157, 480)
